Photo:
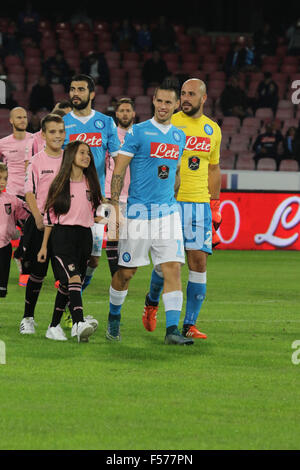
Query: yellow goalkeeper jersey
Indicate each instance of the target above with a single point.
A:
(203, 141)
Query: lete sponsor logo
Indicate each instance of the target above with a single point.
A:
(168, 151)
(93, 139)
(280, 217)
(260, 221)
(198, 144)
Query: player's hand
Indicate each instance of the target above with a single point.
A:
(115, 222)
(215, 212)
(42, 255)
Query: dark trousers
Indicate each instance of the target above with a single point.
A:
(5, 259)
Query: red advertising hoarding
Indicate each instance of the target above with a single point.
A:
(260, 221)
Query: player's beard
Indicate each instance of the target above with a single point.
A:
(194, 110)
(125, 124)
(81, 105)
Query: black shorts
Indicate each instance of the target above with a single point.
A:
(71, 248)
(5, 259)
(30, 246)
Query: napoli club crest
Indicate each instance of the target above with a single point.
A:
(176, 136)
(194, 163)
(99, 124)
(208, 129)
(126, 257)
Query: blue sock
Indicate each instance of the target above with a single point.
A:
(195, 295)
(156, 286)
(88, 277)
(172, 318)
(116, 300)
(114, 309)
(86, 282)
(173, 305)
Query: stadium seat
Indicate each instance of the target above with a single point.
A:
(281, 51)
(245, 161)
(266, 164)
(227, 160)
(289, 165)
(114, 55)
(272, 68)
(104, 46)
(209, 67)
(290, 60)
(142, 100)
(289, 69)
(264, 113)
(204, 40)
(12, 60)
(283, 114)
(285, 104)
(101, 102)
(86, 46)
(233, 121)
(118, 80)
(100, 26)
(252, 122)
(113, 63)
(115, 90)
(217, 75)
(134, 90)
(222, 39)
(200, 74)
(81, 27)
(270, 60)
(189, 67)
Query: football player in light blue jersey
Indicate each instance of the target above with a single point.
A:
(153, 149)
(100, 133)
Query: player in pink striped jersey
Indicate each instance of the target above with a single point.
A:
(41, 171)
(125, 115)
(16, 150)
(70, 212)
(11, 209)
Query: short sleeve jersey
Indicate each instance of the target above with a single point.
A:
(11, 209)
(155, 151)
(81, 211)
(99, 132)
(202, 148)
(15, 152)
(40, 173)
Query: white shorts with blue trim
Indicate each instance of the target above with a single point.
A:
(196, 226)
(162, 237)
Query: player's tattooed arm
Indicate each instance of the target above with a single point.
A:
(117, 181)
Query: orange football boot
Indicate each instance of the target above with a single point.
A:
(193, 332)
(150, 315)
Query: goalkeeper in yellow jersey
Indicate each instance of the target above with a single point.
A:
(198, 198)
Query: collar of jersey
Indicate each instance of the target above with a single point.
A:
(83, 119)
(163, 128)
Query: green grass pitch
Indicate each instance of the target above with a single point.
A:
(237, 390)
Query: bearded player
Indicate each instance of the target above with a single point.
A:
(198, 197)
(100, 133)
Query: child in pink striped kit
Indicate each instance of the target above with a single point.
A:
(11, 209)
(70, 212)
